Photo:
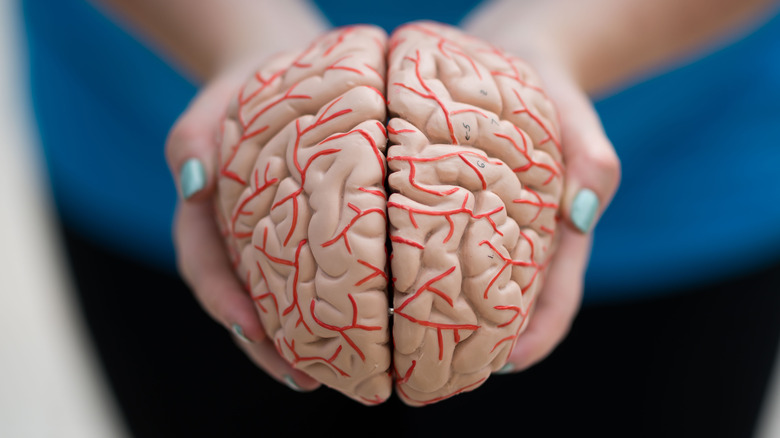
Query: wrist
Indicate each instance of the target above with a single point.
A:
(531, 32)
(241, 32)
(253, 40)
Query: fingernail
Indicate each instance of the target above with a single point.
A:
(192, 177)
(583, 209)
(239, 332)
(506, 369)
(291, 383)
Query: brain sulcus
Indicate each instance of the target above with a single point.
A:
(391, 206)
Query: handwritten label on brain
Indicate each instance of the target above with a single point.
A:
(445, 214)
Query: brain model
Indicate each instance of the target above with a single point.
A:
(402, 253)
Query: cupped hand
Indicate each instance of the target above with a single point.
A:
(591, 175)
(591, 178)
(203, 261)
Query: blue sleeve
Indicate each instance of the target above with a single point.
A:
(104, 103)
(699, 145)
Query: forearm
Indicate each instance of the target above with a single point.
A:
(608, 42)
(202, 36)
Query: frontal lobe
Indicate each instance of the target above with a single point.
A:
(476, 177)
(302, 205)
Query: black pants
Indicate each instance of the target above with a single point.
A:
(694, 363)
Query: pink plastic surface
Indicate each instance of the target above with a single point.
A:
(458, 245)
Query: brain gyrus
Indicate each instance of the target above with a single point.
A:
(446, 213)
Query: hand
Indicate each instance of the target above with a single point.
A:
(191, 152)
(591, 179)
(580, 47)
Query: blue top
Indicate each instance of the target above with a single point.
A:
(699, 146)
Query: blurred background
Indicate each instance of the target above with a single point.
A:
(50, 381)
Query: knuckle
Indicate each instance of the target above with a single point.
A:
(183, 133)
(199, 288)
(210, 302)
(181, 255)
(559, 332)
(606, 160)
(184, 273)
(607, 166)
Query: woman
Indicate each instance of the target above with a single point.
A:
(676, 302)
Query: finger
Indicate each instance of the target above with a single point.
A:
(205, 267)
(191, 147)
(592, 166)
(207, 270)
(264, 355)
(557, 304)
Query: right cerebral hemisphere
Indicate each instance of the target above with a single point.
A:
(405, 252)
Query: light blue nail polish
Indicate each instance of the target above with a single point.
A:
(192, 177)
(506, 369)
(291, 383)
(239, 332)
(583, 209)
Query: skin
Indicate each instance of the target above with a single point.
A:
(586, 48)
(218, 44)
(579, 49)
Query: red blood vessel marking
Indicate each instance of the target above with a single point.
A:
(298, 359)
(343, 233)
(447, 213)
(367, 136)
(413, 182)
(339, 40)
(539, 203)
(510, 63)
(532, 257)
(469, 110)
(524, 150)
(376, 72)
(535, 118)
(302, 170)
(440, 398)
(373, 401)
(430, 94)
(342, 330)
(461, 154)
(376, 272)
(225, 171)
(507, 262)
(428, 286)
(264, 83)
(513, 338)
(515, 309)
(268, 294)
(335, 66)
(399, 131)
(446, 45)
(407, 375)
(295, 264)
(257, 191)
(379, 193)
(399, 239)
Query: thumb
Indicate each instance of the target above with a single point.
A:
(592, 166)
